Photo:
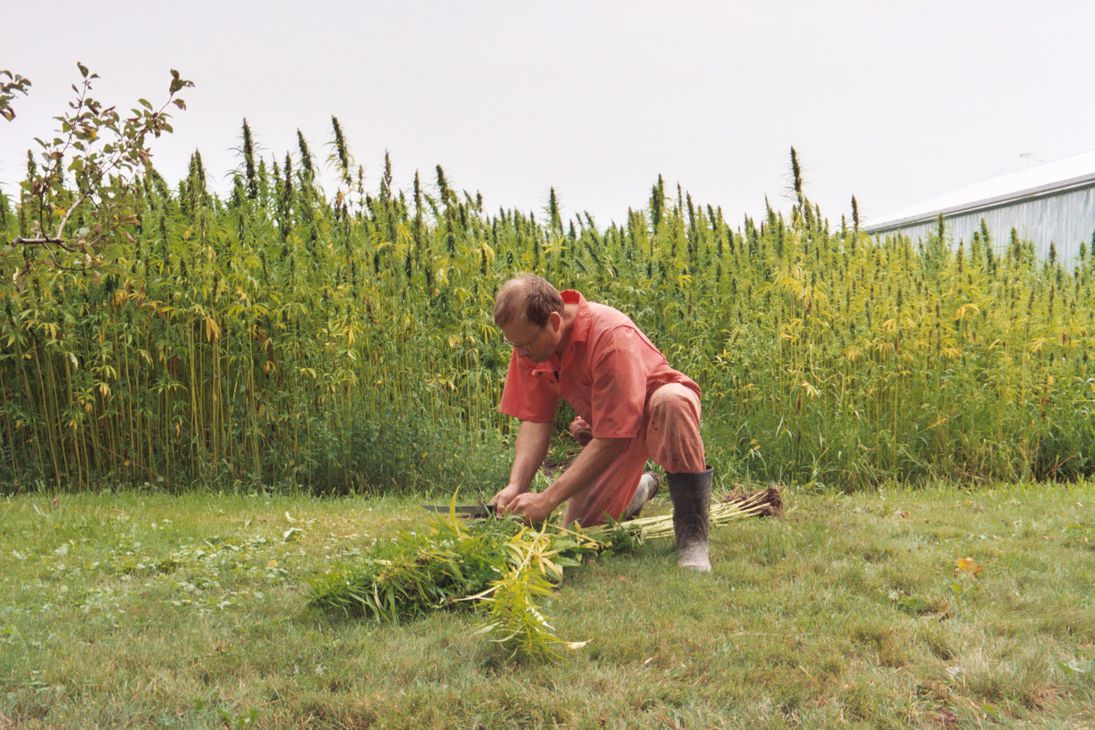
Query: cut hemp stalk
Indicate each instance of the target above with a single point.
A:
(502, 566)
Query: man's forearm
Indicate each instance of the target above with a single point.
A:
(590, 464)
(532, 444)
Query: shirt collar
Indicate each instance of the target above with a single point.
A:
(579, 330)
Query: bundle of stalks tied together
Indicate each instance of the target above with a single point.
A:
(501, 566)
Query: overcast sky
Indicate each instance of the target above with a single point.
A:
(892, 102)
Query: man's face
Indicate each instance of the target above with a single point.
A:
(531, 341)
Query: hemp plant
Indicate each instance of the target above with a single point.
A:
(501, 566)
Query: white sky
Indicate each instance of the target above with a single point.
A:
(894, 102)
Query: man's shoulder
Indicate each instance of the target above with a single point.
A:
(606, 315)
(605, 320)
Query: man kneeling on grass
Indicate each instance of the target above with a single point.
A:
(631, 407)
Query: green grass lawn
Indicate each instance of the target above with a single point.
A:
(190, 611)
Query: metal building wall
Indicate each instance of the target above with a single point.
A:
(1065, 219)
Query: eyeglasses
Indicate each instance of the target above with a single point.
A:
(527, 343)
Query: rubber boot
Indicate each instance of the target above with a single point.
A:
(648, 487)
(691, 495)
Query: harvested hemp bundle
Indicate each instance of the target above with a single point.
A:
(501, 566)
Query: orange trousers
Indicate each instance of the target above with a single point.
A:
(670, 435)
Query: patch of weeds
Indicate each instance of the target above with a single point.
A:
(919, 606)
(934, 636)
(880, 637)
(877, 554)
(227, 714)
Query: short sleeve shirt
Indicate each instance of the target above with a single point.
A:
(607, 373)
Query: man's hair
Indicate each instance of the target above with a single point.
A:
(528, 293)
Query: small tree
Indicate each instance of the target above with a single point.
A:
(83, 193)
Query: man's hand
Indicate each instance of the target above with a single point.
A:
(505, 496)
(533, 506)
(581, 431)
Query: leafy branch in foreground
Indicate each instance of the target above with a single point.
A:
(15, 84)
(92, 162)
(502, 567)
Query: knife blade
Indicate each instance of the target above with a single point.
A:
(464, 510)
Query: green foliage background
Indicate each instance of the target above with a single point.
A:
(288, 337)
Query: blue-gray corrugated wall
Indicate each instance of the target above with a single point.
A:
(1064, 219)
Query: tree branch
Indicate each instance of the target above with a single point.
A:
(44, 241)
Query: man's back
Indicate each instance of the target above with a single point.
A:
(606, 372)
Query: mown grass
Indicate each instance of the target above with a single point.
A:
(143, 609)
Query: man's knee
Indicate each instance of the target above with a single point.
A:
(672, 402)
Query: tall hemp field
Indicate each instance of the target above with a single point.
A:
(290, 337)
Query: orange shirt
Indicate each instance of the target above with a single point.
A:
(606, 373)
